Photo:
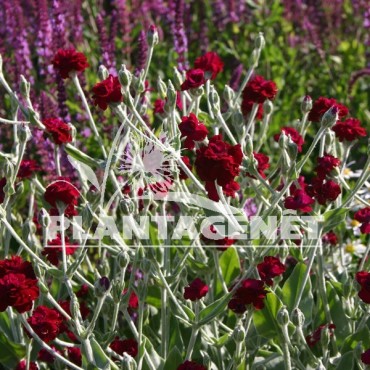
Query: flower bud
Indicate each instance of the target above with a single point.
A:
(306, 104)
(126, 205)
(102, 286)
(44, 218)
(178, 79)
(117, 288)
(9, 189)
(214, 99)
(298, 317)
(330, 117)
(24, 133)
(124, 76)
(152, 36)
(28, 229)
(25, 87)
(268, 106)
(73, 131)
(162, 88)
(249, 146)
(171, 96)
(229, 94)
(123, 259)
(128, 363)
(239, 334)
(283, 316)
(259, 42)
(103, 73)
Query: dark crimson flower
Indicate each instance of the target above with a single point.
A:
(323, 190)
(229, 190)
(349, 130)
(299, 201)
(74, 355)
(27, 168)
(197, 289)
(45, 356)
(69, 60)
(325, 165)
(83, 291)
(61, 191)
(23, 366)
(46, 322)
(191, 365)
(2, 185)
(262, 164)
(363, 216)
(192, 130)
(258, 90)
(186, 160)
(270, 268)
(58, 130)
(247, 106)
(322, 105)
(223, 242)
(54, 253)
(251, 291)
(298, 184)
(194, 78)
(128, 346)
(18, 291)
(210, 63)
(363, 278)
(315, 337)
(294, 135)
(133, 301)
(365, 357)
(16, 265)
(107, 92)
(330, 238)
(219, 161)
(159, 106)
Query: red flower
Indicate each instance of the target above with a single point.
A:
(2, 185)
(315, 337)
(133, 301)
(210, 63)
(27, 168)
(223, 242)
(186, 160)
(299, 201)
(58, 130)
(83, 291)
(70, 60)
(219, 161)
(363, 216)
(228, 189)
(323, 190)
(191, 365)
(16, 265)
(262, 164)
(74, 355)
(251, 291)
(46, 322)
(128, 346)
(18, 291)
(192, 130)
(322, 105)
(54, 253)
(23, 366)
(349, 130)
(197, 289)
(247, 106)
(330, 238)
(159, 106)
(326, 164)
(363, 278)
(294, 135)
(106, 92)
(45, 356)
(270, 268)
(194, 79)
(365, 357)
(258, 90)
(61, 191)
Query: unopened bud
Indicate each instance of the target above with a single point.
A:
(103, 73)
(25, 87)
(214, 100)
(171, 96)
(259, 42)
(123, 259)
(73, 131)
(152, 36)
(268, 106)
(178, 79)
(44, 218)
(117, 288)
(239, 334)
(102, 286)
(283, 317)
(249, 146)
(24, 133)
(297, 317)
(124, 76)
(306, 104)
(126, 205)
(330, 117)
(162, 88)
(229, 94)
